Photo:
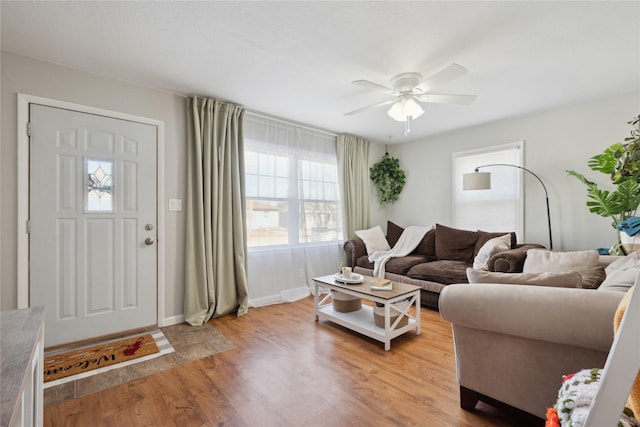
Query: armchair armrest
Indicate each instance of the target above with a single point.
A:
(354, 249)
(511, 261)
(579, 317)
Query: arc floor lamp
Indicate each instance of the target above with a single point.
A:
(482, 181)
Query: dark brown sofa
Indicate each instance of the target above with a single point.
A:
(441, 258)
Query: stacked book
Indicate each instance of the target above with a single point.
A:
(380, 284)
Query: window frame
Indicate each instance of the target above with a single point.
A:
(294, 200)
(516, 148)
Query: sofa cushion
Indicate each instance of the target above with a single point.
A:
(485, 236)
(571, 279)
(542, 260)
(363, 262)
(373, 239)
(490, 248)
(621, 274)
(427, 245)
(394, 232)
(402, 265)
(455, 245)
(441, 271)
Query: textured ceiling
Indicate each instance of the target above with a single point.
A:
(296, 60)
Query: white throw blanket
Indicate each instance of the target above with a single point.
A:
(408, 241)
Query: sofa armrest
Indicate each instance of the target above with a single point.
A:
(511, 261)
(354, 249)
(579, 317)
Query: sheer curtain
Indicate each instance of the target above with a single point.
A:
(215, 261)
(353, 169)
(294, 225)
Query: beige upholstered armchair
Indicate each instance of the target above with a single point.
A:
(513, 343)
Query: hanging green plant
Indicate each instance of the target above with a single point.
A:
(388, 178)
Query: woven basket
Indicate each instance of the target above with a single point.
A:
(345, 303)
(378, 315)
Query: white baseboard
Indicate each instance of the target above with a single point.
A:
(173, 320)
(288, 295)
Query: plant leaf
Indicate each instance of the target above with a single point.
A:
(607, 161)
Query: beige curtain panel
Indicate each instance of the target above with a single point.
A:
(353, 173)
(216, 243)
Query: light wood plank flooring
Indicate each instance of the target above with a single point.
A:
(289, 370)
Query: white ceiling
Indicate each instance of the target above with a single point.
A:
(296, 60)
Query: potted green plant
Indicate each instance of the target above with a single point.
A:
(621, 162)
(388, 178)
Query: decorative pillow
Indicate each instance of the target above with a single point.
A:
(621, 274)
(620, 262)
(373, 239)
(593, 277)
(542, 260)
(484, 236)
(493, 246)
(574, 400)
(634, 395)
(570, 279)
(394, 232)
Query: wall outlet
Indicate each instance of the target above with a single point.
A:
(175, 204)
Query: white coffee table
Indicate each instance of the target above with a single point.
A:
(362, 320)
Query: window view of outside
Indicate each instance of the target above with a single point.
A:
(291, 199)
(499, 208)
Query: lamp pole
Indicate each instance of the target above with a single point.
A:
(546, 193)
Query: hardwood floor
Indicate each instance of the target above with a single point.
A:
(287, 369)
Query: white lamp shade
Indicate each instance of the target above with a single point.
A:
(476, 181)
(404, 108)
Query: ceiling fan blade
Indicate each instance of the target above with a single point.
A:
(447, 99)
(372, 85)
(370, 107)
(449, 73)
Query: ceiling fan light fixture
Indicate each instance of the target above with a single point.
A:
(408, 89)
(405, 108)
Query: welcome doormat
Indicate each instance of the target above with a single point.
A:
(80, 363)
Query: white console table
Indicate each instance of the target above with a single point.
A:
(21, 367)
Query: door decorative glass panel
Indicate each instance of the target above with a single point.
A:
(99, 185)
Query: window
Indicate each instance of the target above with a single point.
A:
(291, 180)
(497, 209)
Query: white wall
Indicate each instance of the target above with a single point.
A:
(33, 77)
(555, 140)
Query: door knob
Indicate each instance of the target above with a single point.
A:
(148, 241)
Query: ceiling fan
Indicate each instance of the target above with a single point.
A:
(407, 88)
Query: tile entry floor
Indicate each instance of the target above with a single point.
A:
(190, 343)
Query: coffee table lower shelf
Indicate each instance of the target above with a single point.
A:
(361, 321)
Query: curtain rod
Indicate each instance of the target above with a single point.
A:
(288, 122)
(270, 117)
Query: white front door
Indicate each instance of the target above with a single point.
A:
(92, 207)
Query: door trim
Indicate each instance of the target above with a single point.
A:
(23, 190)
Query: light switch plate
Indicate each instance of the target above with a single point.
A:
(175, 204)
